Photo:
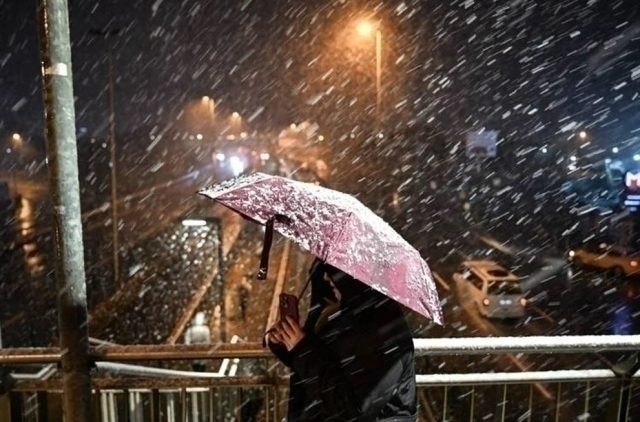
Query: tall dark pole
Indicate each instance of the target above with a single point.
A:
(378, 79)
(112, 150)
(62, 156)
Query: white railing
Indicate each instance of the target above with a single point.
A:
(155, 394)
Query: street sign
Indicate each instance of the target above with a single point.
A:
(482, 143)
(632, 190)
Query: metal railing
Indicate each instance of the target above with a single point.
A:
(157, 394)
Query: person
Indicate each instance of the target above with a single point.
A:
(353, 360)
(198, 333)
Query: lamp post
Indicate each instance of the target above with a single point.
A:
(210, 103)
(112, 150)
(236, 123)
(366, 29)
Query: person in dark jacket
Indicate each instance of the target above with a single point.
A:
(353, 360)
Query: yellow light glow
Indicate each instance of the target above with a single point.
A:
(365, 28)
(235, 115)
(205, 99)
(16, 137)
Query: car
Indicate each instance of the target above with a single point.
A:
(494, 291)
(608, 257)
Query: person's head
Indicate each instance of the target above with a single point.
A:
(199, 319)
(331, 283)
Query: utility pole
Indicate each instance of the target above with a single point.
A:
(378, 80)
(62, 155)
(112, 150)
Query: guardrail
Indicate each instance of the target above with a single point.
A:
(154, 394)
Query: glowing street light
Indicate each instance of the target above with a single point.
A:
(209, 103)
(583, 135)
(16, 137)
(365, 28)
(235, 115)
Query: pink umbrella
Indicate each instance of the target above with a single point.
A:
(338, 229)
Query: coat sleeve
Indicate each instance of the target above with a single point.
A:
(279, 351)
(361, 386)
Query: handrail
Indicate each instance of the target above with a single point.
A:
(531, 344)
(423, 347)
(422, 380)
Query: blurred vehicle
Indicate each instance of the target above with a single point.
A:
(234, 161)
(494, 291)
(608, 257)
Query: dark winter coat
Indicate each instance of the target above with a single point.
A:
(358, 366)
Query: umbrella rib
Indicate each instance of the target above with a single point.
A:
(338, 237)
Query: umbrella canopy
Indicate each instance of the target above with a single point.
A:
(338, 229)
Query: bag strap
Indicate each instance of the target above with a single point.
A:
(268, 240)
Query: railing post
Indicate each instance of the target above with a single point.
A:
(445, 403)
(501, 411)
(62, 155)
(626, 370)
(211, 398)
(183, 405)
(587, 398)
(558, 402)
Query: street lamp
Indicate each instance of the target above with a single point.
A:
(368, 29)
(236, 123)
(16, 137)
(583, 135)
(208, 101)
(112, 147)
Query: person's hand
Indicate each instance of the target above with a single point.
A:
(268, 337)
(286, 332)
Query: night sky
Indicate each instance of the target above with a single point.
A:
(535, 70)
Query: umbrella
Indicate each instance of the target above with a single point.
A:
(338, 229)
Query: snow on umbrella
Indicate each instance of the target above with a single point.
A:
(338, 229)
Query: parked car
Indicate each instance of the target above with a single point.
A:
(494, 291)
(608, 257)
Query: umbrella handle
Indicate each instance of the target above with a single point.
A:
(268, 240)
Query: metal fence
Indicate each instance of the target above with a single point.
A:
(145, 392)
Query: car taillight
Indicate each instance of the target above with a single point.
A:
(486, 302)
(523, 302)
